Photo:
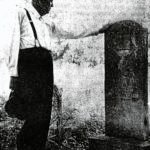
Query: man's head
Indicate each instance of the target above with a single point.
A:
(42, 6)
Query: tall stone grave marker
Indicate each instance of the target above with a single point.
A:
(126, 99)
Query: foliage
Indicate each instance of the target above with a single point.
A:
(9, 128)
(69, 134)
(74, 137)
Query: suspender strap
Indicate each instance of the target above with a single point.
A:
(33, 27)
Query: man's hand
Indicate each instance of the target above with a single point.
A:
(60, 33)
(99, 31)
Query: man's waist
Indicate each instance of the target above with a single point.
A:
(35, 54)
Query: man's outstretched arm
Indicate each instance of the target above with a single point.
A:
(98, 31)
(60, 33)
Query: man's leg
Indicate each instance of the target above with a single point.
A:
(33, 134)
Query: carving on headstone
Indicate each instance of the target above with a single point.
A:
(126, 80)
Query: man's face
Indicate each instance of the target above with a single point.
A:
(43, 6)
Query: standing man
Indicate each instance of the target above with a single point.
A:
(31, 69)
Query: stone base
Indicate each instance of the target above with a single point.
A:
(111, 143)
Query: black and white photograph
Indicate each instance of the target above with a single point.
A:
(74, 75)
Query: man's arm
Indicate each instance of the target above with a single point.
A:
(60, 33)
(10, 40)
(98, 31)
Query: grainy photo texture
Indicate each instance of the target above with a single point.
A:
(74, 74)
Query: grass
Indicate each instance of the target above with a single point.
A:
(9, 128)
(69, 134)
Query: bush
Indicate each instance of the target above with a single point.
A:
(74, 134)
(9, 128)
(66, 131)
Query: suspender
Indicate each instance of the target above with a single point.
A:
(33, 28)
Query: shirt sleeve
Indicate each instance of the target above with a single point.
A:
(10, 38)
(63, 34)
(58, 32)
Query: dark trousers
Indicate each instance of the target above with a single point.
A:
(33, 134)
(35, 88)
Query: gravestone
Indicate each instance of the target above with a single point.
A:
(126, 95)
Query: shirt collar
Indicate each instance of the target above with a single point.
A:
(31, 9)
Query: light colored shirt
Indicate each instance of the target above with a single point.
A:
(16, 34)
(20, 36)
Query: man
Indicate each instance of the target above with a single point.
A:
(31, 69)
